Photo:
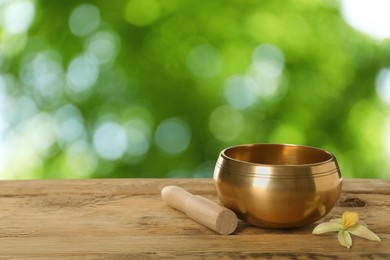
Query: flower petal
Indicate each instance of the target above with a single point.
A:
(326, 227)
(336, 220)
(362, 231)
(345, 238)
(349, 218)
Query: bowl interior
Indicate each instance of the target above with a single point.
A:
(278, 154)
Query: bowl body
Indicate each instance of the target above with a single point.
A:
(277, 185)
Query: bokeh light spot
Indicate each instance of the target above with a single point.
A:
(267, 68)
(142, 12)
(382, 85)
(370, 17)
(138, 135)
(241, 91)
(12, 44)
(18, 16)
(173, 136)
(20, 110)
(104, 46)
(44, 74)
(28, 145)
(40, 131)
(226, 123)
(84, 19)
(204, 61)
(69, 125)
(82, 74)
(268, 60)
(110, 141)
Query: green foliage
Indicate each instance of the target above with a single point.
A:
(147, 88)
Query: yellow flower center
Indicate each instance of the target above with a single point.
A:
(349, 218)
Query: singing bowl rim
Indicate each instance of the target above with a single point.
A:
(316, 169)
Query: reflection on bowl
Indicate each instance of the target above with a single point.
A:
(277, 185)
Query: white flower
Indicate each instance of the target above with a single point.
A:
(346, 225)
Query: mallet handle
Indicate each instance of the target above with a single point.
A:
(200, 209)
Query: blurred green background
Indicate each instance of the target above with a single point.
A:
(157, 88)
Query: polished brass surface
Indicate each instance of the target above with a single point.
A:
(277, 185)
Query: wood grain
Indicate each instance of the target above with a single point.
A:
(126, 219)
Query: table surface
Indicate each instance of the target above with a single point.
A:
(126, 219)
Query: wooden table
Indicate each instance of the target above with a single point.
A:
(126, 219)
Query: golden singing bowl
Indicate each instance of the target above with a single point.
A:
(277, 185)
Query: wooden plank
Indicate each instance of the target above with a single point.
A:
(93, 186)
(126, 218)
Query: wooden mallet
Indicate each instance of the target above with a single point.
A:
(201, 210)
